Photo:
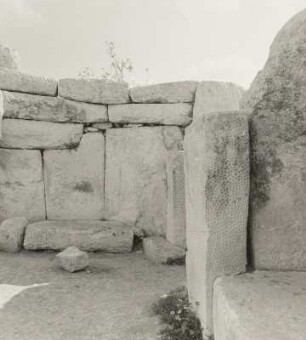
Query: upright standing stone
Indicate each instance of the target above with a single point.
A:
(21, 185)
(176, 212)
(12, 233)
(74, 180)
(8, 58)
(217, 192)
(135, 185)
(277, 102)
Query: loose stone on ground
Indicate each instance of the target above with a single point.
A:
(72, 259)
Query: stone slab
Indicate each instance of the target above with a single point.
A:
(176, 206)
(26, 134)
(160, 114)
(277, 104)
(13, 80)
(260, 305)
(21, 185)
(96, 91)
(176, 92)
(51, 109)
(102, 126)
(72, 259)
(74, 180)
(159, 250)
(135, 185)
(216, 153)
(12, 233)
(8, 58)
(213, 96)
(107, 236)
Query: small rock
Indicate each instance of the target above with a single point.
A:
(102, 126)
(12, 233)
(91, 129)
(159, 250)
(73, 259)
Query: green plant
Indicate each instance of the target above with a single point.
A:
(181, 322)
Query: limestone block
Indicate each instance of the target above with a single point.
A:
(12, 233)
(159, 250)
(213, 96)
(51, 109)
(13, 80)
(135, 185)
(176, 92)
(74, 180)
(1, 112)
(277, 104)
(21, 185)
(8, 58)
(260, 305)
(72, 259)
(176, 211)
(96, 91)
(161, 114)
(217, 190)
(107, 236)
(26, 134)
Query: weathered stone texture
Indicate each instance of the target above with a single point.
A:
(102, 126)
(26, 134)
(21, 185)
(213, 96)
(13, 80)
(176, 211)
(72, 259)
(161, 114)
(277, 104)
(159, 250)
(12, 233)
(260, 305)
(8, 58)
(96, 91)
(74, 180)
(1, 112)
(217, 190)
(136, 189)
(51, 109)
(176, 92)
(107, 236)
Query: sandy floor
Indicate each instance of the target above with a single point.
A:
(110, 302)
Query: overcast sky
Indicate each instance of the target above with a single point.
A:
(176, 39)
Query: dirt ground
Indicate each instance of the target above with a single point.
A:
(111, 301)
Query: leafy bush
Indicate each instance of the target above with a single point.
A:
(175, 311)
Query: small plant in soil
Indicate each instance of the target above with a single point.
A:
(175, 311)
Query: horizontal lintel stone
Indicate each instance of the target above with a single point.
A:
(161, 114)
(51, 109)
(95, 91)
(13, 80)
(176, 92)
(26, 134)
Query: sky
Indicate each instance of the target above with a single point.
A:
(224, 40)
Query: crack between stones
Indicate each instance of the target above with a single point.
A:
(44, 181)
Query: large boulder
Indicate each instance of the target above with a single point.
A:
(12, 233)
(8, 58)
(277, 105)
(74, 180)
(135, 178)
(21, 185)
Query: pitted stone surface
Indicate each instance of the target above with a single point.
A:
(8, 57)
(74, 180)
(260, 305)
(11, 234)
(176, 92)
(52, 109)
(176, 210)
(72, 259)
(26, 134)
(217, 190)
(136, 189)
(107, 236)
(96, 91)
(161, 114)
(159, 250)
(21, 185)
(213, 96)
(13, 80)
(277, 104)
